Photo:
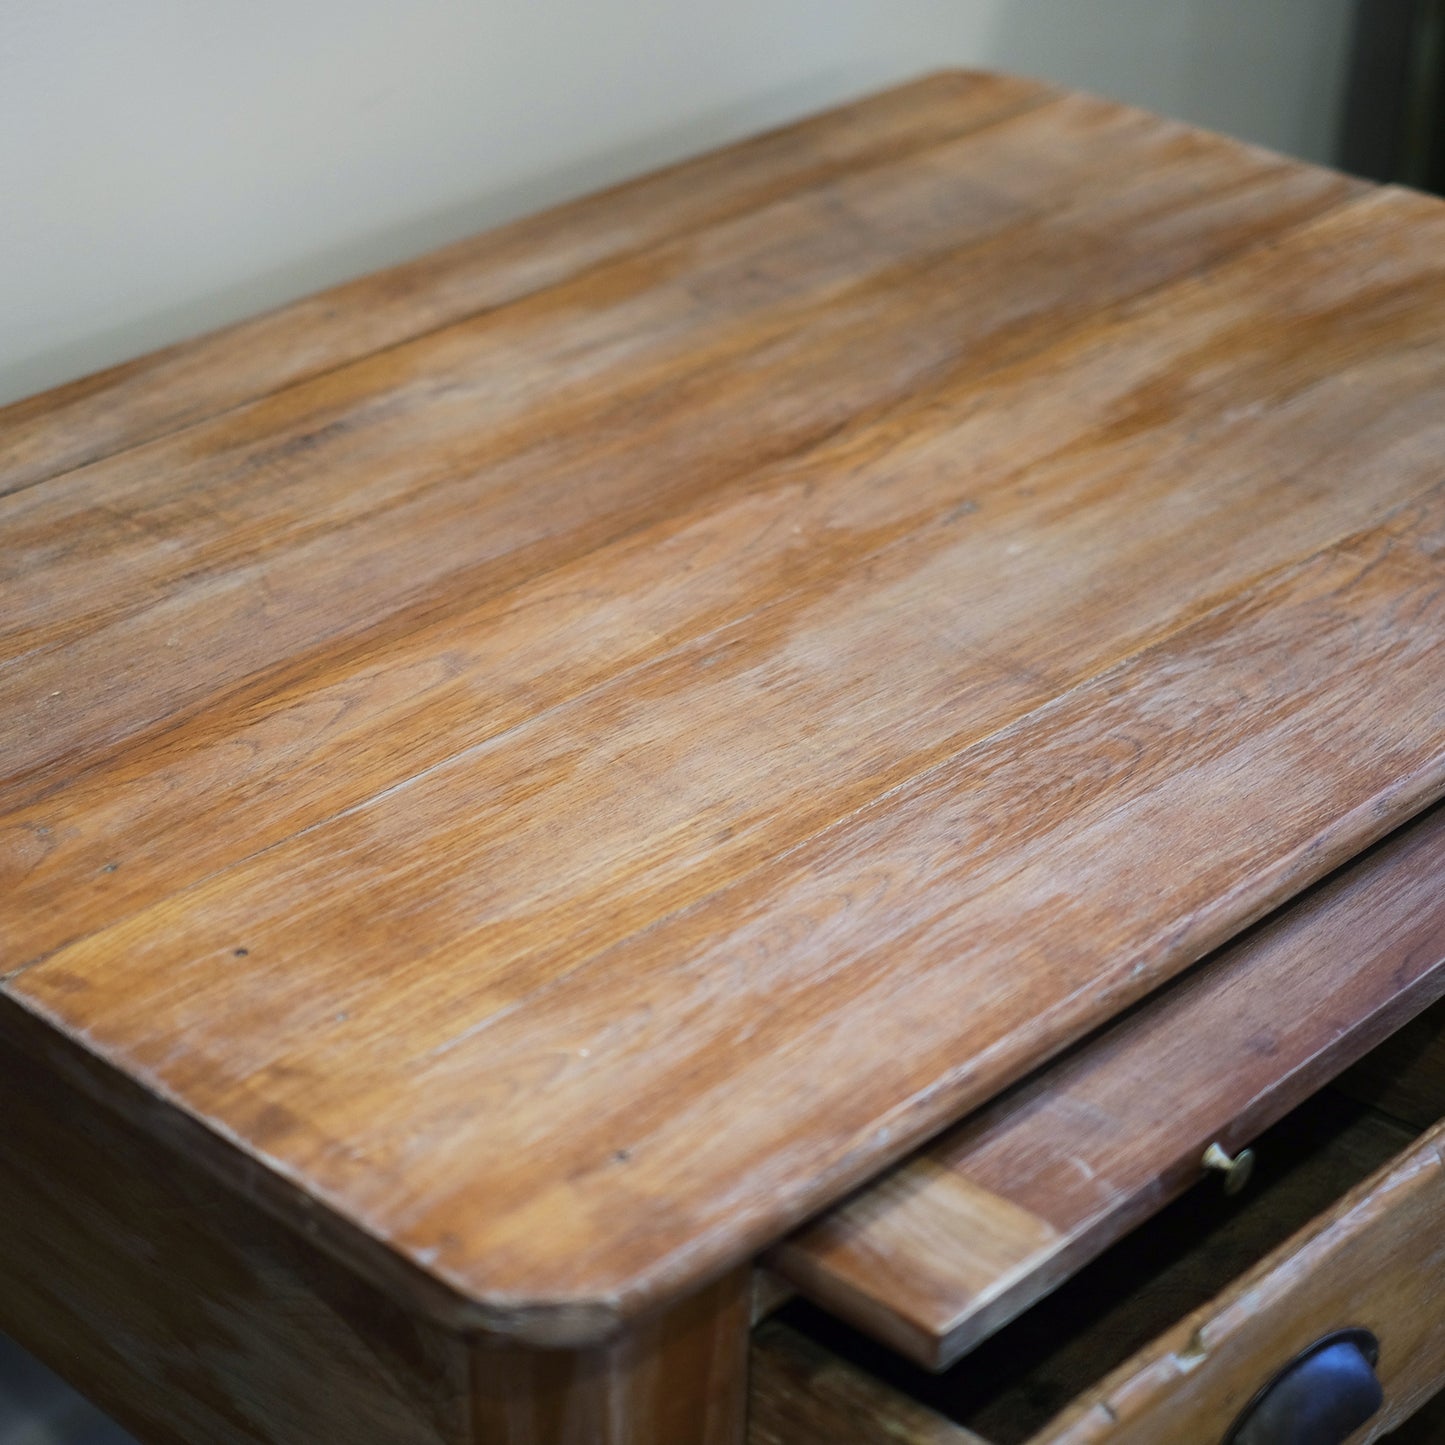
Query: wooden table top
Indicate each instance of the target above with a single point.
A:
(555, 762)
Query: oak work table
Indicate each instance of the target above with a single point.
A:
(529, 777)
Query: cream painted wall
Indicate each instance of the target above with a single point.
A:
(170, 165)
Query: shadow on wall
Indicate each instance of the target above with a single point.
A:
(1268, 70)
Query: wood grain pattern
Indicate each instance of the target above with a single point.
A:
(191, 1315)
(338, 516)
(249, 771)
(143, 399)
(1245, 691)
(559, 800)
(1376, 1261)
(995, 1214)
(188, 1314)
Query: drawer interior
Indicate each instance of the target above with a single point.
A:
(1007, 1389)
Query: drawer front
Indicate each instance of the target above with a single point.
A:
(1375, 1261)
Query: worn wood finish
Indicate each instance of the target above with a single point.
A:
(803, 1395)
(187, 1313)
(306, 538)
(993, 1215)
(1245, 690)
(556, 802)
(140, 400)
(1017, 1382)
(242, 775)
(191, 1315)
(1377, 1261)
(1183, 1260)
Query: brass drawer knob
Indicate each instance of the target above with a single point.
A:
(1320, 1398)
(1236, 1170)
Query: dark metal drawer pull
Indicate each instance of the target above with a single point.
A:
(1320, 1398)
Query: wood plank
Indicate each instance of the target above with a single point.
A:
(999, 1211)
(358, 508)
(140, 400)
(1377, 1262)
(802, 1395)
(616, 1069)
(396, 423)
(889, 510)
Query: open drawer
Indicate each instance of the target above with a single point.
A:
(1051, 1209)
(1049, 1265)
(1165, 1339)
(946, 1249)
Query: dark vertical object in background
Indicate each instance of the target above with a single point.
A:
(1394, 126)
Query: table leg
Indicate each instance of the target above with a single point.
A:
(679, 1378)
(194, 1317)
